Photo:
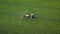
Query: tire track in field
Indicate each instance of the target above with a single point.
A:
(7, 13)
(10, 13)
(50, 19)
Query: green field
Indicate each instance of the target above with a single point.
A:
(47, 21)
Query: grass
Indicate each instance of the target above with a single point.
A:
(47, 21)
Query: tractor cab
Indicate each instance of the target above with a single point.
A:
(33, 16)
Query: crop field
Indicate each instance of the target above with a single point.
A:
(47, 21)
